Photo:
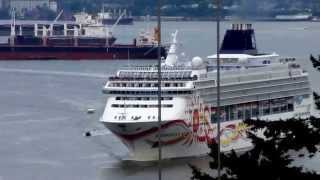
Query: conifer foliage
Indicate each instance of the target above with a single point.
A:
(316, 98)
(315, 62)
(272, 153)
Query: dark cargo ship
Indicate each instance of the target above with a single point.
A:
(76, 43)
(32, 48)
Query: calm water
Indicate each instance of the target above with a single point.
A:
(43, 106)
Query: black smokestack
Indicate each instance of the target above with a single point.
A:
(240, 39)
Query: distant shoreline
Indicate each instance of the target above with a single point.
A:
(181, 19)
(174, 19)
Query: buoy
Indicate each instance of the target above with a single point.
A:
(91, 111)
(96, 132)
(87, 134)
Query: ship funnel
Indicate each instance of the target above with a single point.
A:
(172, 57)
(240, 39)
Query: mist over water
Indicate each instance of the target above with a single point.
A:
(43, 113)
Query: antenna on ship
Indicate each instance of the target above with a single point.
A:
(109, 32)
(13, 27)
(159, 92)
(148, 22)
(218, 89)
(54, 21)
(117, 22)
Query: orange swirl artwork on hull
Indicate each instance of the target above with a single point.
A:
(201, 129)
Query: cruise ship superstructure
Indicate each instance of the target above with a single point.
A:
(253, 85)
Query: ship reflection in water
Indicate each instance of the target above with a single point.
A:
(172, 169)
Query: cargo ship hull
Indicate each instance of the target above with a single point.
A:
(79, 53)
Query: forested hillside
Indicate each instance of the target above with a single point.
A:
(201, 7)
(189, 8)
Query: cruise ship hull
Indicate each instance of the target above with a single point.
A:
(178, 138)
(78, 53)
(190, 137)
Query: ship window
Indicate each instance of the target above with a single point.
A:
(266, 111)
(124, 85)
(275, 110)
(247, 114)
(240, 114)
(284, 108)
(306, 96)
(233, 112)
(265, 107)
(240, 109)
(168, 105)
(118, 98)
(167, 84)
(149, 92)
(247, 110)
(148, 85)
(290, 107)
(115, 105)
(227, 113)
(166, 98)
(255, 111)
(214, 118)
(140, 85)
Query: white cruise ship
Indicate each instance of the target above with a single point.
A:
(253, 86)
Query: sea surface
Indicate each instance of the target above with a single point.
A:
(43, 106)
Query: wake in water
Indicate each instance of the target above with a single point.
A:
(56, 73)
